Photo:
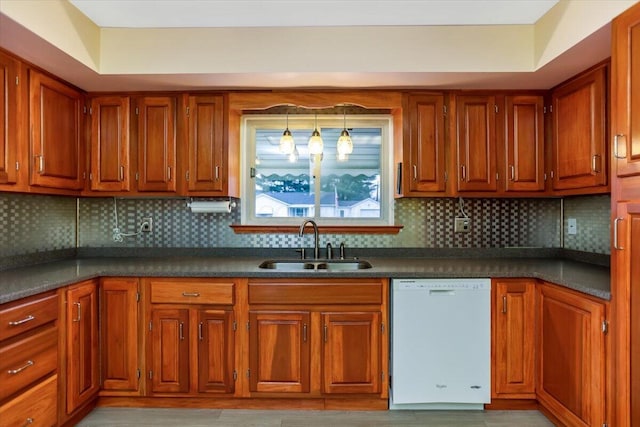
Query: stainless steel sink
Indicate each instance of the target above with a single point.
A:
(316, 265)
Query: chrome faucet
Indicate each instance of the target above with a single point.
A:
(316, 248)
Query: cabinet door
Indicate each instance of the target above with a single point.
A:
(169, 351)
(351, 352)
(572, 357)
(279, 351)
(207, 165)
(476, 143)
(579, 132)
(56, 133)
(524, 143)
(82, 344)
(514, 338)
(110, 143)
(625, 91)
(9, 115)
(426, 153)
(156, 143)
(119, 334)
(215, 351)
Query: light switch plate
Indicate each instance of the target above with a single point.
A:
(572, 226)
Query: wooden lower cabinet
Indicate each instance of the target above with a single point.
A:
(216, 351)
(351, 352)
(514, 338)
(571, 370)
(82, 379)
(119, 341)
(169, 355)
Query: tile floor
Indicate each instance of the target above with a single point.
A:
(119, 417)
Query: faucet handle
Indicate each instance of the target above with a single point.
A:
(301, 251)
(329, 250)
(342, 250)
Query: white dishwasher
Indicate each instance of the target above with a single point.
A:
(440, 343)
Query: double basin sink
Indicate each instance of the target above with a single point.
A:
(316, 265)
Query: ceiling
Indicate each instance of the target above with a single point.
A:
(143, 45)
(295, 13)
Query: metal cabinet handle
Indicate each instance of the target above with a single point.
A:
(615, 234)
(304, 332)
(28, 421)
(40, 158)
(217, 172)
(191, 294)
(181, 331)
(168, 173)
(21, 368)
(79, 316)
(415, 172)
(200, 331)
(513, 172)
(464, 172)
(504, 304)
(326, 333)
(29, 318)
(121, 173)
(616, 153)
(595, 163)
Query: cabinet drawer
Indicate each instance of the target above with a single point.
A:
(315, 292)
(26, 361)
(191, 292)
(36, 407)
(27, 314)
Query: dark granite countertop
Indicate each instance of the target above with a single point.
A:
(20, 282)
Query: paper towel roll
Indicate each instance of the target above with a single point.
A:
(210, 206)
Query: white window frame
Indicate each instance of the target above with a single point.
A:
(249, 124)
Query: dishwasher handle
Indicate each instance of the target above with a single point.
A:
(442, 292)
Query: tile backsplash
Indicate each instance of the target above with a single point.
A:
(34, 224)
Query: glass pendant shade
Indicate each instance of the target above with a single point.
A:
(315, 143)
(345, 145)
(287, 144)
(293, 156)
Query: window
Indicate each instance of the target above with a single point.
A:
(281, 189)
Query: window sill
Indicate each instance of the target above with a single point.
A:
(331, 229)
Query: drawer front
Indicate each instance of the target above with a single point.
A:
(191, 292)
(297, 292)
(24, 315)
(36, 407)
(26, 361)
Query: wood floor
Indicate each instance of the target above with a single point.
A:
(118, 417)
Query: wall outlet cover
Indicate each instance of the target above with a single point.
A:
(572, 226)
(462, 225)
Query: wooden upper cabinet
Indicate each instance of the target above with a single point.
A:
(424, 163)
(82, 344)
(9, 119)
(110, 165)
(55, 120)
(571, 373)
(279, 351)
(579, 131)
(625, 92)
(514, 338)
(351, 352)
(207, 165)
(119, 313)
(475, 143)
(156, 143)
(524, 143)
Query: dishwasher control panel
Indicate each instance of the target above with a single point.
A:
(453, 284)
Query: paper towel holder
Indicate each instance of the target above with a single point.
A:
(211, 206)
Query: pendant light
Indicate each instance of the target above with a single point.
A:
(315, 141)
(287, 144)
(293, 157)
(344, 145)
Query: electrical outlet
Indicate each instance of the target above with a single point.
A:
(462, 225)
(146, 226)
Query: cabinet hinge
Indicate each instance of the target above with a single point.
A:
(382, 328)
(137, 111)
(137, 296)
(187, 111)
(605, 425)
(186, 176)
(252, 172)
(497, 176)
(150, 325)
(150, 375)
(605, 327)
(444, 109)
(248, 326)
(235, 375)
(495, 107)
(544, 110)
(17, 80)
(551, 174)
(84, 109)
(248, 373)
(545, 176)
(90, 176)
(446, 176)
(235, 325)
(137, 176)
(17, 166)
(551, 108)
(84, 176)
(138, 373)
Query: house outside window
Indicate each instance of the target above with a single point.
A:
(279, 189)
